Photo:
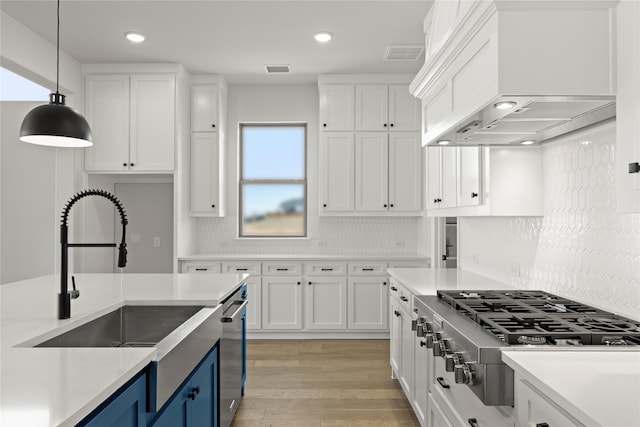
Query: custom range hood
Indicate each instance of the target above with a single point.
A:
(515, 72)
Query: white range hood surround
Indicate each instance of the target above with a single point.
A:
(551, 58)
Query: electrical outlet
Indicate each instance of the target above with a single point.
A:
(156, 242)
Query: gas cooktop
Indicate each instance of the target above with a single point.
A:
(537, 317)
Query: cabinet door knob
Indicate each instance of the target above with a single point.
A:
(324, 205)
(435, 200)
(385, 125)
(213, 125)
(324, 125)
(391, 125)
(298, 283)
(439, 200)
(391, 205)
(474, 195)
(384, 205)
(124, 164)
(384, 283)
(309, 283)
(131, 164)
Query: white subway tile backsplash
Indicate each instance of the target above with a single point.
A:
(327, 235)
(581, 248)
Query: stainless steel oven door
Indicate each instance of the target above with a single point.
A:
(231, 357)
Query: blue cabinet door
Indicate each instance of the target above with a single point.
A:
(126, 408)
(196, 403)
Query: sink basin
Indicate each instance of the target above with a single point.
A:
(128, 326)
(181, 335)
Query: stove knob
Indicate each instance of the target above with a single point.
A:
(429, 340)
(453, 360)
(449, 362)
(437, 348)
(427, 327)
(414, 324)
(420, 331)
(445, 344)
(463, 374)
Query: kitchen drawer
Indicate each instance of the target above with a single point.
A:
(201, 267)
(461, 404)
(401, 295)
(249, 267)
(367, 268)
(409, 264)
(328, 268)
(534, 408)
(281, 268)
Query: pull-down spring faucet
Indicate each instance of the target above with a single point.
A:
(64, 297)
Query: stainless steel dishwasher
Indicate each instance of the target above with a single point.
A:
(232, 354)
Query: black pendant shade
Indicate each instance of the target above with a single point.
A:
(56, 125)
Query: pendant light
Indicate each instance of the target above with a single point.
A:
(56, 124)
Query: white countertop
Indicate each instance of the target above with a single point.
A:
(599, 388)
(56, 386)
(426, 281)
(305, 257)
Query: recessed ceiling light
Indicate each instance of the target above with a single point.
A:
(134, 37)
(504, 105)
(323, 36)
(528, 142)
(444, 142)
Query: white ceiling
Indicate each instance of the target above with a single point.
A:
(234, 38)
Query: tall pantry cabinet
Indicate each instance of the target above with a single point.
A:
(370, 152)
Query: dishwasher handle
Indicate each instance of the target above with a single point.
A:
(229, 319)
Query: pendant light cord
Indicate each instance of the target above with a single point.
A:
(58, 49)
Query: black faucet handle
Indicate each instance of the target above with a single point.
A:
(74, 294)
(122, 255)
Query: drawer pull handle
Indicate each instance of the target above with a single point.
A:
(367, 269)
(202, 269)
(542, 425)
(326, 269)
(473, 422)
(241, 269)
(442, 382)
(282, 269)
(394, 289)
(403, 298)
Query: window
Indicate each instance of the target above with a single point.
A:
(16, 88)
(273, 184)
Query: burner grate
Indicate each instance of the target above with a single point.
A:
(512, 327)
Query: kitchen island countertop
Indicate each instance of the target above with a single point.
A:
(60, 386)
(606, 396)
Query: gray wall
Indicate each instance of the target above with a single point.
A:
(29, 212)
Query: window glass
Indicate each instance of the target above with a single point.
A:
(14, 87)
(273, 181)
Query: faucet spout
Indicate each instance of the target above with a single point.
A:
(64, 297)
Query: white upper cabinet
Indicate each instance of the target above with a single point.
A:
(405, 172)
(133, 122)
(207, 185)
(204, 108)
(107, 111)
(508, 181)
(372, 107)
(337, 110)
(383, 173)
(404, 109)
(481, 52)
(337, 175)
(372, 172)
(469, 176)
(628, 107)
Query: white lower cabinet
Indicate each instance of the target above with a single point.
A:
(435, 416)
(421, 380)
(402, 338)
(534, 409)
(281, 302)
(395, 341)
(325, 303)
(368, 302)
(254, 305)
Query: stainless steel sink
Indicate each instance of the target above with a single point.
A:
(128, 326)
(182, 336)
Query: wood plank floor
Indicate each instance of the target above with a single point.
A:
(321, 383)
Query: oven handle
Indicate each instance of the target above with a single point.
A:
(473, 422)
(442, 383)
(229, 319)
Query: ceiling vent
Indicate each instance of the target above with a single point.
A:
(403, 52)
(277, 69)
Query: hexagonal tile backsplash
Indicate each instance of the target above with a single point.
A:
(581, 248)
